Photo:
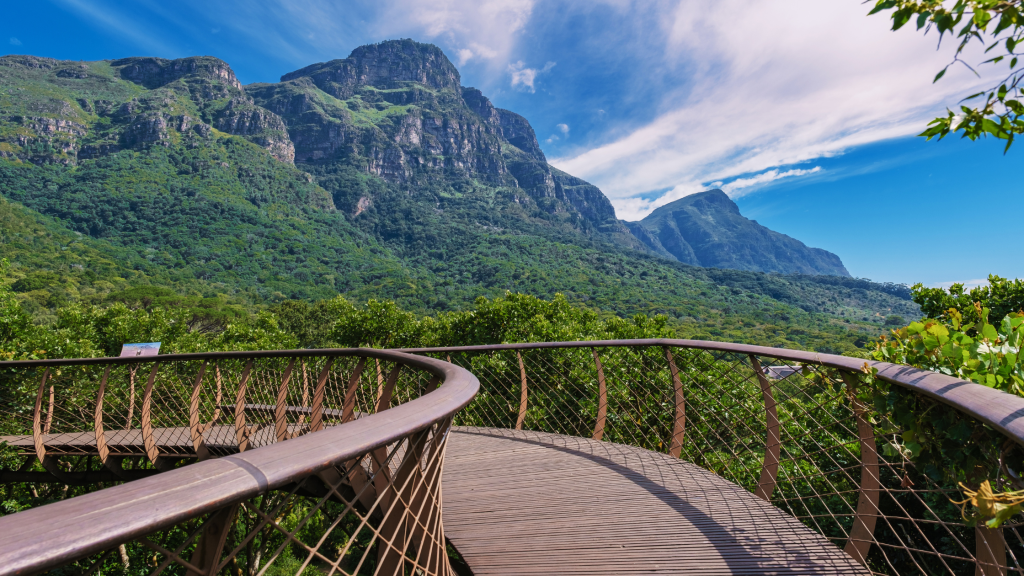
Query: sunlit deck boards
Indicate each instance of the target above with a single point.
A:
(533, 503)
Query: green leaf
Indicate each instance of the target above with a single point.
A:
(939, 75)
(981, 18)
(989, 332)
(882, 5)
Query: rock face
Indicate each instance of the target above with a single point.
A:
(397, 111)
(389, 131)
(388, 65)
(181, 100)
(706, 229)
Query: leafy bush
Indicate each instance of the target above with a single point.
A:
(958, 340)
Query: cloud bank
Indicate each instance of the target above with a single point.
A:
(772, 89)
(743, 92)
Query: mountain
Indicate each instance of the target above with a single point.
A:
(378, 175)
(706, 229)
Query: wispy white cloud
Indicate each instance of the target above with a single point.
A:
(741, 186)
(15, 42)
(305, 31)
(563, 127)
(523, 78)
(759, 97)
(482, 31)
(124, 25)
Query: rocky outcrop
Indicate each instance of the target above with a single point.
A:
(708, 230)
(519, 133)
(242, 117)
(387, 65)
(154, 73)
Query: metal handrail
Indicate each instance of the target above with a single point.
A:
(1002, 411)
(574, 393)
(55, 534)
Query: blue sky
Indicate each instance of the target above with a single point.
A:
(804, 115)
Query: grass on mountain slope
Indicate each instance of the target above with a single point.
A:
(181, 219)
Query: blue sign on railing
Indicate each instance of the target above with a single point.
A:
(144, 349)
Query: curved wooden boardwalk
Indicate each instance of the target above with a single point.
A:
(518, 503)
(531, 503)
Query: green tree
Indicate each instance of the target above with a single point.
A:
(1001, 296)
(998, 25)
(13, 320)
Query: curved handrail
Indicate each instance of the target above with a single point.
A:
(1002, 411)
(820, 456)
(62, 532)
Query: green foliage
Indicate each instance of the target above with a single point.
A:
(1000, 296)
(942, 442)
(991, 357)
(13, 320)
(996, 24)
(505, 319)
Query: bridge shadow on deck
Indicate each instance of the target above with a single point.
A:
(519, 502)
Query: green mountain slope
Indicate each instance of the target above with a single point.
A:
(374, 176)
(706, 229)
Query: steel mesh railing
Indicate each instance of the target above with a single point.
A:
(276, 485)
(787, 426)
(267, 496)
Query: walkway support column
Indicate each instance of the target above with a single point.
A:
(773, 442)
(241, 432)
(862, 533)
(196, 427)
(679, 424)
(990, 551)
(49, 463)
(522, 392)
(211, 544)
(602, 398)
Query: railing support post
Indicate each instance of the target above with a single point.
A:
(48, 462)
(862, 533)
(316, 417)
(522, 392)
(602, 398)
(349, 408)
(990, 551)
(241, 432)
(206, 556)
(195, 427)
(112, 464)
(679, 425)
(280, 410)
(152, 451)
(401, 491)
(773, 441)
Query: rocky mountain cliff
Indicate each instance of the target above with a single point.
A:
(706, 229)
(389, 132)
(377, 175)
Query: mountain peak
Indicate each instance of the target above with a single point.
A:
(384, 65)
(707, 229)
(153, 72)
(714, 197)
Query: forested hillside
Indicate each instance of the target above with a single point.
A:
(377, 176)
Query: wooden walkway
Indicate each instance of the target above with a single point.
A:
(518, 503)
(525, 503)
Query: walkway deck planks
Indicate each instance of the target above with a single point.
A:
(524, 503)
(530, 503)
